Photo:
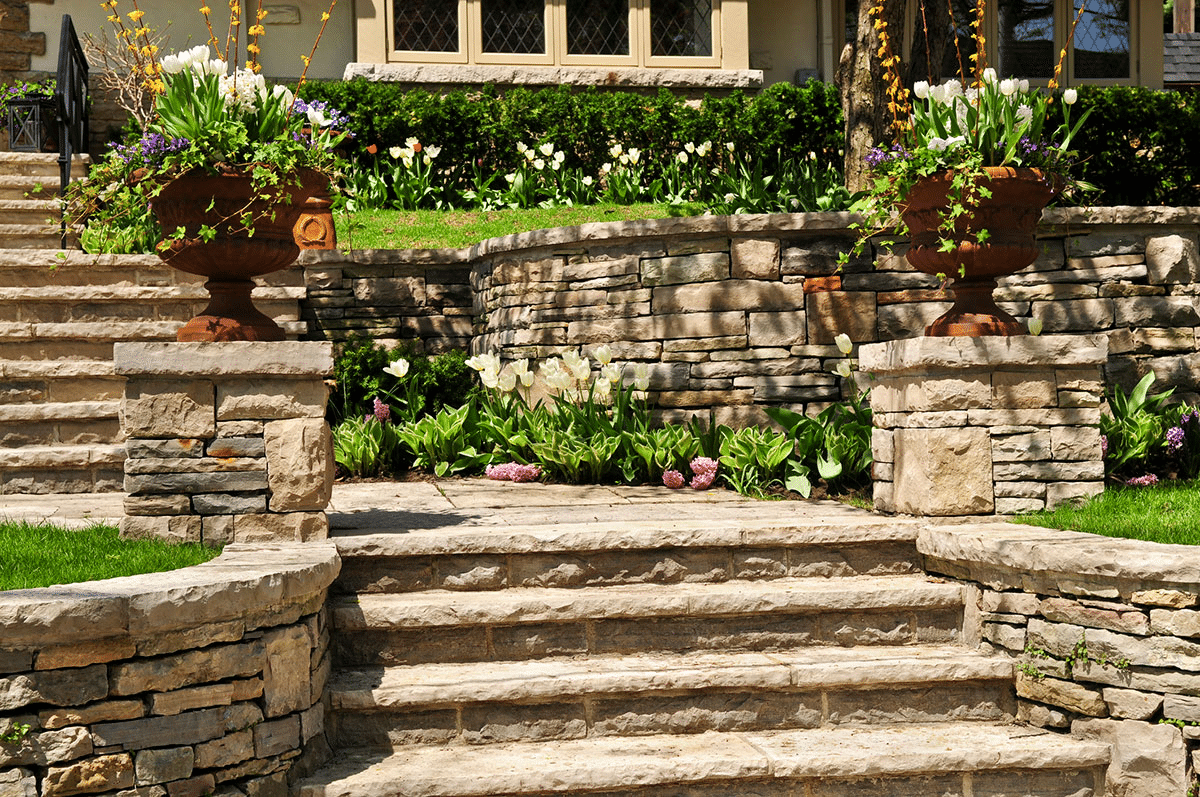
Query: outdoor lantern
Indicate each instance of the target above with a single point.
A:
(32, 124)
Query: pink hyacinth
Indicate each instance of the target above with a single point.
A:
(673, 479)
(382, 411)
(513, 472)
(705, 470)
(1149, 480)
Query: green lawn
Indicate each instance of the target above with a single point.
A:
(1169, 512)
(42, 556)
(437, 229)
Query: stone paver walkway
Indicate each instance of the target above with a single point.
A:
(375, 507)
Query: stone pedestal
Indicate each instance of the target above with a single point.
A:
(976, 426)
(226, 442)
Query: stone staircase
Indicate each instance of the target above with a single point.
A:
(711, 649)
(60, 313)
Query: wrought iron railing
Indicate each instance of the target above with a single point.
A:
(71, 98)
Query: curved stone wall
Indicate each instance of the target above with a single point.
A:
(1106, 632)
(206, 680)
(738, 312)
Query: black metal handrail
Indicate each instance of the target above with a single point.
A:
(71, 97)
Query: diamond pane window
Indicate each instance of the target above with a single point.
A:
(681, 27)
(513, 26)
(429, 26)
(1027, 38)
(598, 27)
(1102, 40)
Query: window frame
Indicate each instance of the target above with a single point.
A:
(461, 56)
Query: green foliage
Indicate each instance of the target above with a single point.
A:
(1167, 513)
(446, 443)
(1140, 146)
(439, 381)
(1134, 427)
(16, 733)
(753, 458)
(364, 446)
(835, 445)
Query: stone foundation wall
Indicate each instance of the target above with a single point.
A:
(207, 680)
(739, 312)
(1106, 634)
(226, 442)
(976, 426)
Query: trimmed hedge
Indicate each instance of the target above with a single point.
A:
(1140, 146)
(482, 127)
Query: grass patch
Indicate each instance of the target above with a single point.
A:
(40, 555)
(1166, 513)
(441, 229)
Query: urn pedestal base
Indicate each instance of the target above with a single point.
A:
(230, 315)
(974, 314)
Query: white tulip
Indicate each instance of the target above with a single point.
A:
(1008, 86)
(921, 89)
(1070, 96)
(843, 343)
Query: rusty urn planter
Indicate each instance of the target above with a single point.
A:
(1010, 217)
(231, 258)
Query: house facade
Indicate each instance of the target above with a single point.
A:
(697, 44)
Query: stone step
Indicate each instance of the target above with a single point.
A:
(14, 186)
(36, 235)
(33, 381)
(41, 164)
(90, 340)
(85, 303)
(44, 469)
(917, 759)
(30, 211)
(531, 623)
(725, 542)
(59, 423)
(641, 694)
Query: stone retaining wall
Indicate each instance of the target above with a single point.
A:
(738, 312)
(207, 680)
(1106, 633)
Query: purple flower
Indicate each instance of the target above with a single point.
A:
(1103, 445)
(382, 411)
(673, 479)
(1149, 480)
(1175, 438)
(705, 470)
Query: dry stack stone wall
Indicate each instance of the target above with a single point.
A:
(226, 441)
(1106, 633)
(971, 426)
(739, 312)
(207, 680)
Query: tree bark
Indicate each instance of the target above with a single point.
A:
(862, 88)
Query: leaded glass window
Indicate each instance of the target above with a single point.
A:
(598, 27)
(513, 26)
(681, 28)
(1102, 40)
(429, 26)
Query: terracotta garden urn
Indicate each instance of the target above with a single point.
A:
(230, 257)
(1010, 217)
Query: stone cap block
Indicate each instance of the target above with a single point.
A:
(957, 353)
(259, 358)
(1122, 565)
(243, 577)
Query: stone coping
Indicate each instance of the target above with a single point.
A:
(243, 578)
(925, 353)
(985, 549)
(606, 76)
(251, 358)
(766, 223)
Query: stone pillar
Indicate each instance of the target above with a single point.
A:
(975, 426)
(226, 442)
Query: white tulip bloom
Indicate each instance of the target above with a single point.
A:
(397, 368)
(546, 149)
(921, 89)
(1008, 86)
(843, 343)
(1070, 96)
(603, 354)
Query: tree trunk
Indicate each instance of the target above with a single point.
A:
(862, 87)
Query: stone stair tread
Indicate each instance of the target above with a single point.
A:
(57, 369)
(612, 763)
(29, 204)
(437, 608)
(133, 293)
(379, 689)
(94, 331)
(62, 457)
(59, 411)
(715, 526)
(63, 261)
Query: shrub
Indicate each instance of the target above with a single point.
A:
(436, 382)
